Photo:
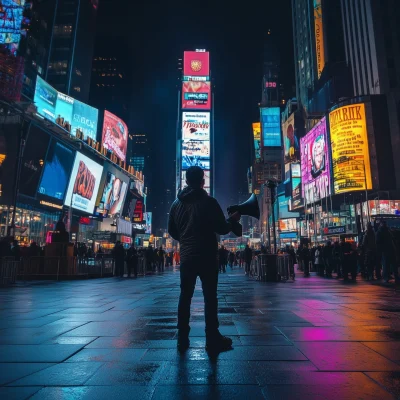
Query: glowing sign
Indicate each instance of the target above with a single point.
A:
(257, 139)
(319, 36)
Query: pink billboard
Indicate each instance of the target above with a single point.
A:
(196, 95)
(315, 164)
(115, 135)
(196, 63)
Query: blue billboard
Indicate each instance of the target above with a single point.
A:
(65, 111)
(271, 127)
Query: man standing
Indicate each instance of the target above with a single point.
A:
(132, 261)
(118, 253)
(194, 220)
(248, 256)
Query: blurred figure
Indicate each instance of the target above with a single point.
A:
(328, 258)
(34, 250)
(386, 251)
(369, 247)
(177, 258)
(132, 261)
(231, 259)
(16, 250)
(336, 259)
(319, 266)
(149, 258)
(346, 258)
(221, 259)
(118, 253)
(248, 256)
(160, 257)
(305, 258)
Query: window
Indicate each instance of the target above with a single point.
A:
(63, 30)
(77, 89)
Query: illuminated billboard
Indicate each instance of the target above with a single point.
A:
(271, 126)
(315, 164)
(350, 153)
(206, 180)
(115, 135)
(196, 63)
(291, 144)
(319, 37)
(196, 95)
(297, 200)
(148, 217)
(196, 126)
(68, 113)
(114, 187)
(84, 184)
(257, 139)
(198, 148)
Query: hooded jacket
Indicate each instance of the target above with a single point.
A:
(194, 220)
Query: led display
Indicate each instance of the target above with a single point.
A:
(115, 135)
(271, 126)
(196, 63)
(196, 125)
(196, 95)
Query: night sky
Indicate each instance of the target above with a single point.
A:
(158, 33)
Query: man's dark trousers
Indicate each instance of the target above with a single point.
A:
(207, 270)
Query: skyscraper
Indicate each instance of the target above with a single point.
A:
(71, 47)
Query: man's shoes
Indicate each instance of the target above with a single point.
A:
(218, 343)
(183, 342)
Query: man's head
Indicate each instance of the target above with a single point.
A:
(195, 177)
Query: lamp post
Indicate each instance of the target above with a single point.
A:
(271, 185)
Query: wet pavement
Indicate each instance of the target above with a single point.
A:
(115, 339)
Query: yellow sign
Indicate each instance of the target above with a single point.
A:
(319, 37)
(350, 153)
(257, 139)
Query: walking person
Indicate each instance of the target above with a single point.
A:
(328, 258)
(160, 257)
(132, 261)
(318, 262)
(386, 251)
(369, 248)
(221, 259)
(118, 253)
(305, 258)
(336, 260)
(194, 220)
(248, 256)
(231, 259)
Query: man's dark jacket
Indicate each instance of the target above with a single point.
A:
(194, 220)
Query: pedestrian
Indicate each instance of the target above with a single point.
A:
(149, 254)
(34, 250)
(160, 256)
(16, 250)
(118, 254)
(336, 259)
(248, 256)
(369, 248)
(319, 266)
(328, 258)
(194, 220)
(221, 259)
(132, 261)
(386, 251)
(231, 259)
(305, 258)
(346, 258)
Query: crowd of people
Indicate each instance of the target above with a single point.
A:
(230, 258)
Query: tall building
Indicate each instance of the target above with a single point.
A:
(71, 47)
(139, 151)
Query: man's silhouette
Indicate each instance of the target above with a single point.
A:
(194, 220)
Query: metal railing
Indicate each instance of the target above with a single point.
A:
(8, 270)
(272, 268)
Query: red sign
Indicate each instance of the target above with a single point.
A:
(196, 63)
(126, 239)
(115, 135)
(84, 220)
(270, 85)
(196, 95)
(138, 213)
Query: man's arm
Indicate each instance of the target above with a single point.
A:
(172, 228)
(221, 225)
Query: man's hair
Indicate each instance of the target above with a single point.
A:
(194, 176)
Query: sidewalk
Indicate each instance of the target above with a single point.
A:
(115, 339)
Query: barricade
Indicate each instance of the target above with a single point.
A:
(272, 268)
(8, 270)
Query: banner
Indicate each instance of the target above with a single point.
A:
(350, 152)
(291, 144)
(196, 63)
(196, 148)
(148, 216)
(315, 164)
(271, 126)
(196, 95)
(319, 37)
(257, 139)
(115, 135)
(196, 125)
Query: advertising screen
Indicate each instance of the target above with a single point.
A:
(65, 111)
(297, 200)
(12, 22)
(350, 153)
(319, 36)
(114, 187)
(115, 135)
(84, 184)
(198, 148)
(288, 225)
(196, 63)
(138, 212)
(130, 203)
(191, 161)
(148, 216)
(291, 144)
(315, 164)
(57, 171)
(196, 95)
(257, 139)
(271, 126)
(196, 126)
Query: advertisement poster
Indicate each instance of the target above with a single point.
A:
(291, 144)
(315, 164)
(12, 22)
(196, 148)
(271, 126)
(319, 37)
(192, 161)
(129, 204)
(138, 212)
(115, 135)
(196, 63)
(196, 126)
(84, 184)
(350, 153)
(113, 195)
(297, 200)
(196, 95)
(257, 139)
(57, 171)
(288, 225)
(65, 111)
(148, 216)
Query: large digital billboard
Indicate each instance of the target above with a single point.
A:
(196, 63)
(198, 148)
(271, 126)
(291, 144)
(257, 139)
(196, 126)
(130, 201)
(65, 111)
(112, 193)
(84, 184)
(297, 199)
(315, 164)
(115, 135)
(196, 95)
(350, 152)
(319, 37)
(57, 171)
(148, 217)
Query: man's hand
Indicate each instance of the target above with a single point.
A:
(235, 217)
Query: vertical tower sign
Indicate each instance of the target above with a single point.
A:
(195, 134)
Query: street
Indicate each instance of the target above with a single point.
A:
(115, 339)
